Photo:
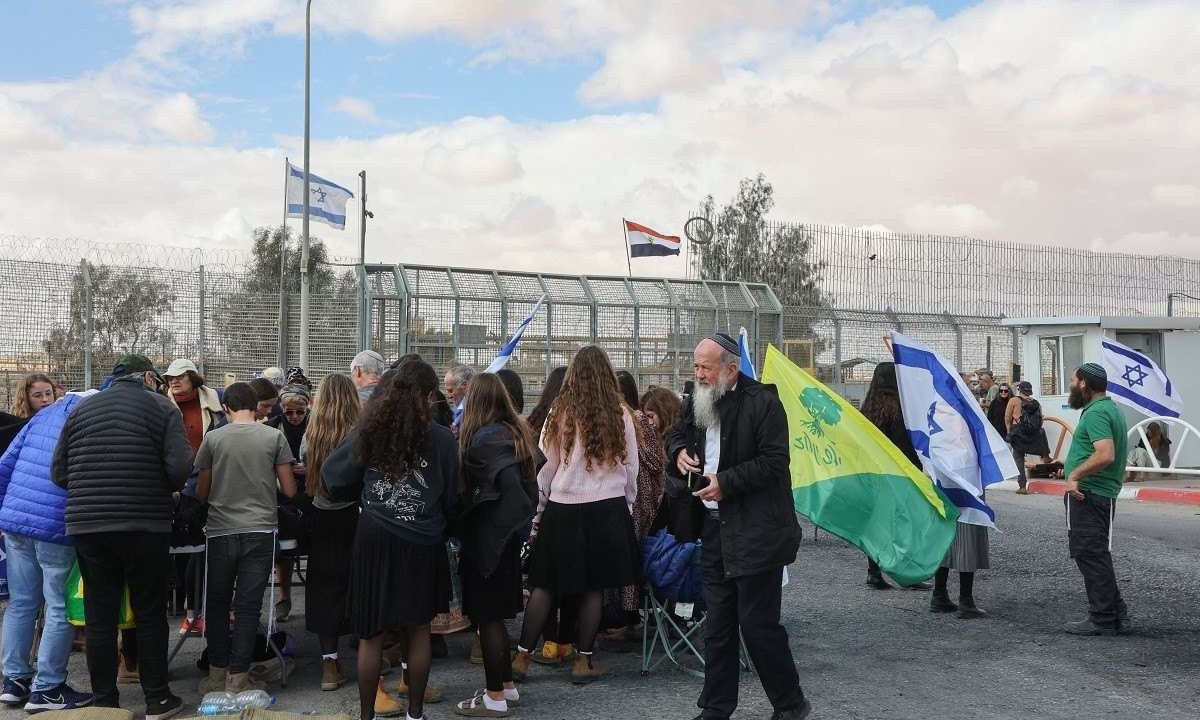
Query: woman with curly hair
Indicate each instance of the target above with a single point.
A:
(586, 490)
(333, 525)
(498, 462)
(403, 467)
(34, 392)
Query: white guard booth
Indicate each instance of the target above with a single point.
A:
(1052, 347)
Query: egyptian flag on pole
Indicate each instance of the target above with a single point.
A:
(644, 242)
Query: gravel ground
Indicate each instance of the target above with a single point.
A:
(863, 653)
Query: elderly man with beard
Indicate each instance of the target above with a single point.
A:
(1095, 471)
(731, 446)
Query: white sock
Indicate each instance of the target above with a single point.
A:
(512, 694)
(404, 666)
(522, 650)
(329, 656)
(410, 717)
(491, 704)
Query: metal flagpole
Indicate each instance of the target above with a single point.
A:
(363, 309)
(628, 262)
(304, 222)
(281, 352)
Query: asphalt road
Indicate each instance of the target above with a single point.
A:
(864, 653)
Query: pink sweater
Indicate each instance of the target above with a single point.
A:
(572, 483)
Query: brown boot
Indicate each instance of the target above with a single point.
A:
(386, 705)
(127, 673)
(432, 694)
(215, 682)
(520, 666)
(241, 682)
(332, 676)
(583, 671)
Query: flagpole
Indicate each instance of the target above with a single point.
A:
(304, 222)
(628, 262)
(281, 352)
(363, 310)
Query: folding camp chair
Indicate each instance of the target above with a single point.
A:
(673, 628)
(202, 583)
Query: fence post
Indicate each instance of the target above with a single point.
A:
(203, 343)
(637, 331)
(364, 309)
(837, 352)
(85, 270)
(958, 339)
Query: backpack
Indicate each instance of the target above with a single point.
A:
(1030, 422)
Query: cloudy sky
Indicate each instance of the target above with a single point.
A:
(517, 133)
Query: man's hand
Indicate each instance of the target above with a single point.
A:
(687, 463)
(1073, 489)
(712, 491)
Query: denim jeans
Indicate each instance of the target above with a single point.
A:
(37, 573)
(109, 561)
(243, 560)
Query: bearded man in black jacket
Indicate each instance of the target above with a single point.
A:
(730, 446)
(121, 455)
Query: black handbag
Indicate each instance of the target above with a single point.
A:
(187, 523)
(685, 512)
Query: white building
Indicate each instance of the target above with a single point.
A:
(1053, 347)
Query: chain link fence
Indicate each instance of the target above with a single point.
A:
(69, 308)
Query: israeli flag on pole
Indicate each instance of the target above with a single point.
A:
(958, 446)
(506, 351)
(327, 200)
(1134, 380)
(746, 361)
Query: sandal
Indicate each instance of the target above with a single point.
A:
(475, 707)
(511, 703)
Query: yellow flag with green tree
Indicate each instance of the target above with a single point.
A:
(849, 479)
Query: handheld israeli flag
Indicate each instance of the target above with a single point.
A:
(326, 200)
(1135, 381)
(958, 446)
(506, 351)
(746, 359)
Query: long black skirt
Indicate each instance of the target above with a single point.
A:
(498, 596)
(327, 585)
(395, 583)
(589, 546)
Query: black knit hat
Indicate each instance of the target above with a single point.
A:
(727, 343)
(1094, 370)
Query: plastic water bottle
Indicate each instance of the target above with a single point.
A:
(253, 699)
(218, 703)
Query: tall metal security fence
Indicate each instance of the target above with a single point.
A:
(70, 308)
(647, 326)
(865, 269)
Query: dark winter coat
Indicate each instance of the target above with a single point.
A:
(121, 455)
(759, 529)
(500, 498)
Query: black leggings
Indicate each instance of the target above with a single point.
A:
(541, 602)
(497, 663)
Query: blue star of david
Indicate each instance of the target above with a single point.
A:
(934, 428)
(1134, 375)
(320, 193)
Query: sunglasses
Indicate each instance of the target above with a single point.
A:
(290, 413)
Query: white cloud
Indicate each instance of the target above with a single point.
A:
(358, 108)
(1178, 195)
(1013, 120)
(177, 117)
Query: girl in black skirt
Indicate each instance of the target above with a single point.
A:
(585, 542)
(499, 499)
(333, 526)
(404, 467)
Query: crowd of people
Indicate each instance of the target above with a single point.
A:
(399, 485)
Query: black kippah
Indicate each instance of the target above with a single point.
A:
(726, 342)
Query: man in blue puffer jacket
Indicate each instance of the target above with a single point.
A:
(40, 555)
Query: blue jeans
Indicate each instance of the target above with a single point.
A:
(37, 574)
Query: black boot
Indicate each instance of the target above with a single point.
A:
(875, 576)
(939, 602)
(967, 609)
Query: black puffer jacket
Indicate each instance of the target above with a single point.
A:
(120, 456)
(759, 530)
